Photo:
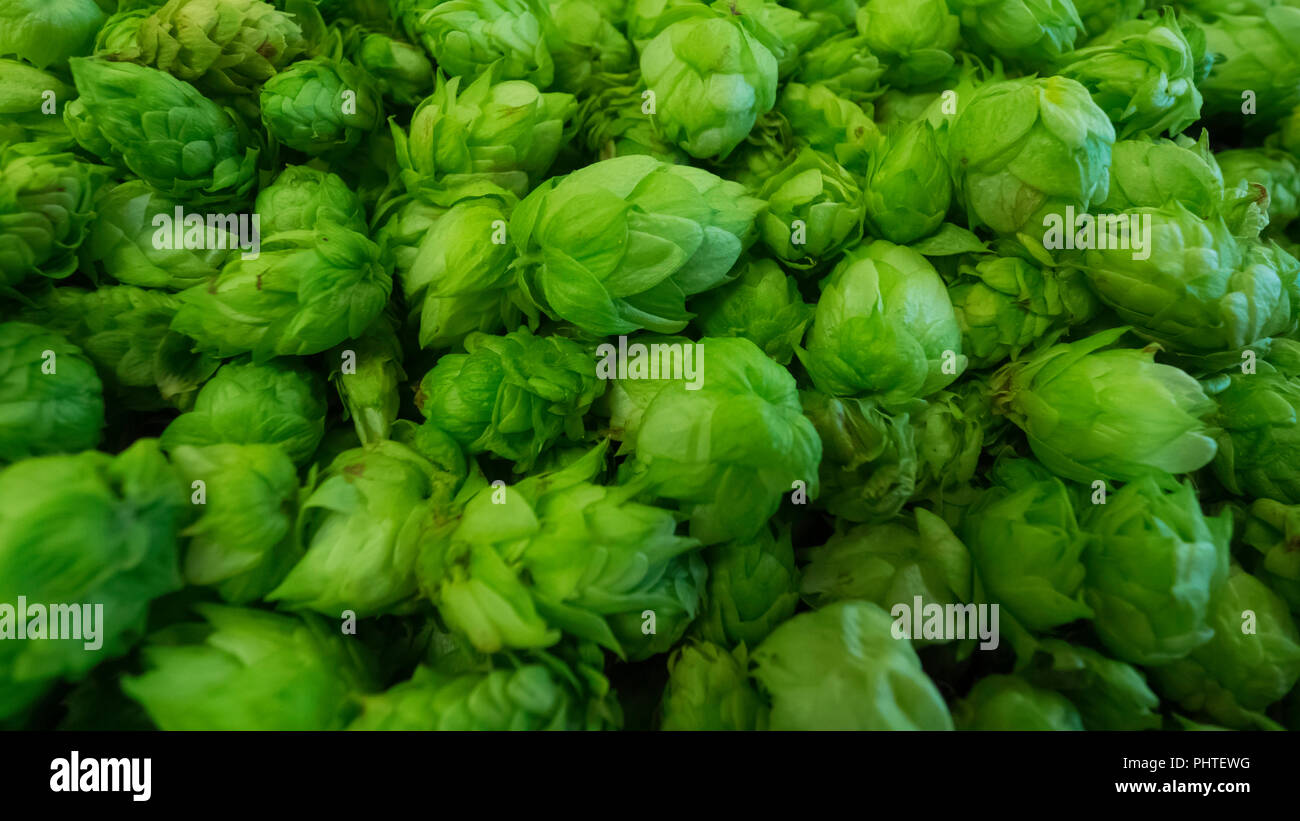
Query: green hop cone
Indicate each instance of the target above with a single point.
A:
(1272, 529)
(529, 697)
(505, 132)
(1278, 171)
(1027, 546)
(1098, 16)
(908, 188)
(814, 210)
(104, 529)
(164, 131)
(1258, 420)
(831, 15)
(617, 246)
(765, 151)
(1004, 305)
(1109, 694)
(892, 564)
(125, 331)
(585, 43)
(915, 38)
(1011, 703)
(869, 463)
(1193, 289)
(1288, 133)
(1252, 661)
(46, 204)
(940, 108)
(513, 395)
(119, 35)
(241, 542)
(785, 32)
(1030, 33)
(81, 125)
(753, 586)
(460, 280)
(730, 447)
(402, 71)
(321, 106)
(249, 669)
(884, 327)
(711, 78)
(31, 103)
(367, 375)
(1095, 414)
(1142, 74)
(1154, 561)
(51, 399)
(359, 528)
(709, 689)
(556, 553)
(1150, 173)
(302, 196)
(130, 242)
(845, 66)
(226, 48)
(403, 221)
(1256, 73)
(46, 33)
(840, 668)
(763, 305)
(467, 37)
(276, 403)
(305, 291)
(830, 124)
(950, 434)
(613, 123)
(1022, 149)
